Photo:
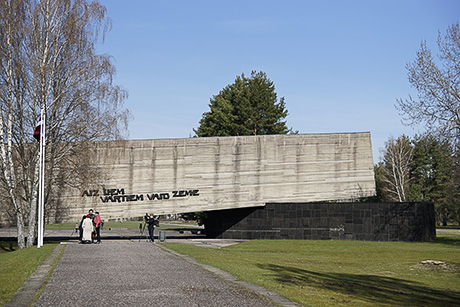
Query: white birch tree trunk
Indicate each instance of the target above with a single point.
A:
(9, 54)
(396, 168)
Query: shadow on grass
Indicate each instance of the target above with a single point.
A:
(371, 288)
(8, 246)
(446, 241)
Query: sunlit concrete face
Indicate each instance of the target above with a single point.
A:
(169, 176)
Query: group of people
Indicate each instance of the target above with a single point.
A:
(90, 227)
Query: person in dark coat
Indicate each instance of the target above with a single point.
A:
(80, 228)
(151, 226)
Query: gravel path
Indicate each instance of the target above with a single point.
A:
(131, 273)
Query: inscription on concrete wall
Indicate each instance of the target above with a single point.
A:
(118, 195)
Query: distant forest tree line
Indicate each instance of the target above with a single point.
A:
(427, 167)
(424, 168)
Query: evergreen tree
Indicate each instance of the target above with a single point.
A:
(379, 183)
(454, 191)
(249, 106)
(432, 174)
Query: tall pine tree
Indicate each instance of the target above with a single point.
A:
(249, 106)
(432, 174)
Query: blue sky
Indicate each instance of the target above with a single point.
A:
(339, 64)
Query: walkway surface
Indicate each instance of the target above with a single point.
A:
(126, 270)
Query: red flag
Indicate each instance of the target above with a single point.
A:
(37, 131)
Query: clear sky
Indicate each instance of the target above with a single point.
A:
(339, 64)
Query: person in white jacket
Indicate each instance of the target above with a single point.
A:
(87, 226)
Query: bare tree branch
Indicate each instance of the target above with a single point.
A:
(48, 59)
(438, 84)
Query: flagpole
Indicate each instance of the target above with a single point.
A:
(41, 182)
(43, 174)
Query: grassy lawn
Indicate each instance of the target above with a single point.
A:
(345, 273)
(17, 266)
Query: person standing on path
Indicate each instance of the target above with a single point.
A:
(87, 226)
(151, 227)
(80, 228)
(97, 224)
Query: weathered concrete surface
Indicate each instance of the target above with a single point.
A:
(200, 174)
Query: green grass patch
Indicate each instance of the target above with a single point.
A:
(17, 266)
(345, 273)
(60, 226)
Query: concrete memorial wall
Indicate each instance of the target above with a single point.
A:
(168, 176)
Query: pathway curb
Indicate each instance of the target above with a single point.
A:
(28, 292)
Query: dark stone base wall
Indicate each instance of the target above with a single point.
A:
(326, 221)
